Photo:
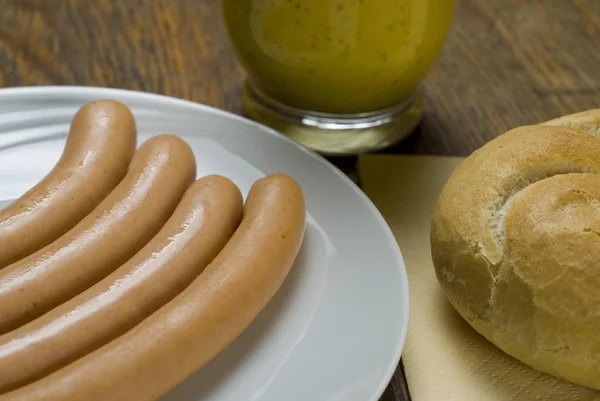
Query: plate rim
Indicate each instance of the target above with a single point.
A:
(87, 91)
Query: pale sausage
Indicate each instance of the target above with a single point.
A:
(172, 343)
(99, 148)
(161, 170)
(207, 216)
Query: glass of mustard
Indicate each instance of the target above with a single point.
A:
(338, 76)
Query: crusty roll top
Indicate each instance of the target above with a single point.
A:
(516, 244)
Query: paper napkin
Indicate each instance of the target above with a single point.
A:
(445, 359)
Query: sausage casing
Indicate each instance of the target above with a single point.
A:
(99, 148)
(161, 170)
(207, 216)
(183, 335)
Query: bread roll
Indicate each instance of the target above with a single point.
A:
(515, 241)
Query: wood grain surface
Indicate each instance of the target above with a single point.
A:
(506, 63)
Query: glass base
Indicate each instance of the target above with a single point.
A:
(335, 134)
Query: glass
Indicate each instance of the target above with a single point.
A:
(338, 76)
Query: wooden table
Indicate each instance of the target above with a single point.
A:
(506, 63)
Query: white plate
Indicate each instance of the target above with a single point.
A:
(336, 328)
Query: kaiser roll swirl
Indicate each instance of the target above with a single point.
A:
(515, 241)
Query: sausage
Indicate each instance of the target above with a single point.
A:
(206, 218)
(179, 338)
(99, 148)
(160, 172)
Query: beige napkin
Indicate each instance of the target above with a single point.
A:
(444, 358)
